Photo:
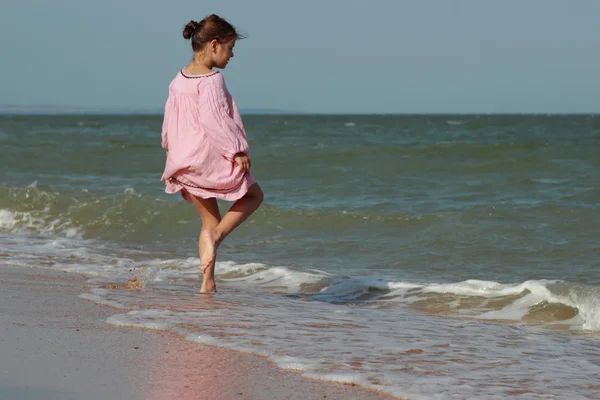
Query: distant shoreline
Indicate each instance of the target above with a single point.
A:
(42, 110)
(49, 111)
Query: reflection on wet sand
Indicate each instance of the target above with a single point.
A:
(185, 370)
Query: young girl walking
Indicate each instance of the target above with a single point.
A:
(208, 157)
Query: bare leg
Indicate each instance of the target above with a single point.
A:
(210, 215)
(238, 213)
(215, 229)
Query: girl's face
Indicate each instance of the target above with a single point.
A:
(223, 53)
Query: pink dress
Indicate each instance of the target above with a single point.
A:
(202, 131)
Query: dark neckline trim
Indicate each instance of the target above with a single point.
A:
(197, 76)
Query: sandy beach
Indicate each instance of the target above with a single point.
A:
(54, 345)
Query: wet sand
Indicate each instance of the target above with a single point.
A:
(54, 345)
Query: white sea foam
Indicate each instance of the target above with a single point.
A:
(474, 287)
(36, 222)
(273, 277)
(588, 304)
(585, 300)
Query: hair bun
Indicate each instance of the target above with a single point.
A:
(189, 29)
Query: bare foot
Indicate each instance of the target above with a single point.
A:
(208, 286)
(208, 253)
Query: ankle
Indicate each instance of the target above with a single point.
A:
(208, 281)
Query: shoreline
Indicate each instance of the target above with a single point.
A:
(55, 345)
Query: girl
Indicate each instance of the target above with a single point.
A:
(205, 141)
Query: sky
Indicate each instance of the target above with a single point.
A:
(314, 56)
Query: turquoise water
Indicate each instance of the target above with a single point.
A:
(485, 227)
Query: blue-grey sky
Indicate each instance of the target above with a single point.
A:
(337, 56)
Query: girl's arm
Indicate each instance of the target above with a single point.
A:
(216, 117)
(164, 134)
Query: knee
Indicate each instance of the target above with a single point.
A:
(260, 196)
(255, 194)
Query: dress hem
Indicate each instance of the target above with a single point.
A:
(173, 186)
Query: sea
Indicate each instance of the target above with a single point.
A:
(425, 256)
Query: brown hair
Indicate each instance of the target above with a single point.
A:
(210, 28)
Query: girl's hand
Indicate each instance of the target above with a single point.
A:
(243, 161)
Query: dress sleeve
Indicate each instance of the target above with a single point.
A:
(165, 125)
(217, 117)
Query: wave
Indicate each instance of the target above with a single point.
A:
(44, 211)
(41, 210)
(535, 302)
(551, 303)
(540, 302)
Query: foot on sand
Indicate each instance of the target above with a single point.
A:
(208, 286)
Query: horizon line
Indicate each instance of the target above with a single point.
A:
(73, 110)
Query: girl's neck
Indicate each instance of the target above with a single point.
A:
(199, 65)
